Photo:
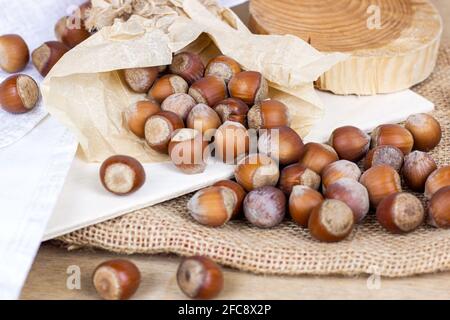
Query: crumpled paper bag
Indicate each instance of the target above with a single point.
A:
(86, 93)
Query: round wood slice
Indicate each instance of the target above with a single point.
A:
(391, 56)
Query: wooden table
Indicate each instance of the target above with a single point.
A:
(49, 275)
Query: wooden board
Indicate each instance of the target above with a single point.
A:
(393, 43)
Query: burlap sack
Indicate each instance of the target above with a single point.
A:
(288, 249)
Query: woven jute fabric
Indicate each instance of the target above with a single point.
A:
(287, 249)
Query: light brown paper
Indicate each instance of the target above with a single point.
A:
(86, 93)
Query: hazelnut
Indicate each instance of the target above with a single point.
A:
(350, 143)
(231, 142)
(70, 31)
(331, 221)
(209, 90)
(138, 115)
(265, 207)
(317, 156)
(302, 201)
(439, 179)
(223, 67)
(298, 174)
(122, 175)
(384, 155)
(417, 168)
(439, 209)
(116, 279)
(338, 170)
(238, 191)
(282, 144)
(400, 213)
(179, 103)
(140, 80)
(353, 194)
(14, 53)
(426, 131)
(249, 86)
(187, 65)
(187, 151)
(213, 206)
(381, 181)
(167, 86)
(268, 114)
(47, 55)
(200, 278)
(232, 110)
(393, 135)
(19, 94)
(256, 171)
(203, 119)
(159, 129)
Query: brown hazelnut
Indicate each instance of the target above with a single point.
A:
(256, 171)
(298, 174)
(338, 170)
(331, 221)
(350, 143)
(238, 191)
(179, 103)
(249, 86)
(209, 90)
(439, 209)
(116, 279)
(282, 144)
(439, 179)
(213, 206)
(200, 278)
(417, 168)
(138, 115)
(223, 67)
(426, 131)
(317, 156)
(400, 213)
(122, 175)
(203, 119)
(384, 155)
(381, 181)
(19, 94)
(140, 80)
(268, 114)
(14, 53)
(353, 194)
(265, 207)
(167, 86)
(70, 31)
(159, 129)
(232, 110)
(188, 65)
(231, 142)
(302, 201)
(393, 135)
(47, 55)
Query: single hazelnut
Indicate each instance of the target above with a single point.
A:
(298, 174)
(381, 181)
(268, 114)
(232, 110)
(317, 156)
(203, 119)
(302, 201)
(400, 213)
(231, 142)
(353, 194)
(14, 53)
(122, 175)
(439, 209)
(47, 55)
(213, 206)
(238, 191)
(417, 168)
(209, 90)
(140, 80)
(384, 155)
(393, 135)
(282, 144)
(187, 151)
(179, 103)
(256, 171)
(338, 170)
(188, 65)
(350, 143)
(159, 130)
(70, 31)
(116, 279)
(439, 179)
(331, 221)
(265, 207)
(426, 131)
(19, 94)
(249, 86)
(167, 86)
(200, 278)
(138, 114)
(223, 67)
